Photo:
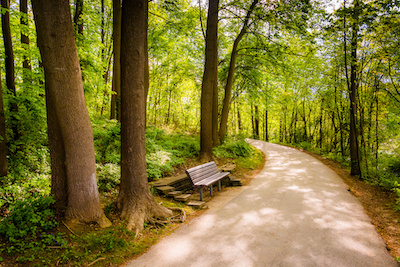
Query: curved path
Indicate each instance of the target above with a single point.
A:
(295, 212)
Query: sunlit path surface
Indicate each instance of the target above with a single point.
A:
(296, 212)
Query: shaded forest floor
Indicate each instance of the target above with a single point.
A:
(378, 204)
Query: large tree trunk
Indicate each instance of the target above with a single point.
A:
(59, 182)
(3, 140)
(116, 83)
(57, 46)
(9, 62)
(209, 81)
(229, 82)
(135, 201)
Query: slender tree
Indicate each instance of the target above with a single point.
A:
(135, 201)
(231, 72)
(68, 116)
(9, 62)
(116, 80)
(3, 140)
(78, 20)
(209, 82)
(355, 168)
(26, 63)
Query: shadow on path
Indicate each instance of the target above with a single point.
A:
(295, 212)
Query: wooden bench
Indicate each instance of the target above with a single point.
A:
(206, 175)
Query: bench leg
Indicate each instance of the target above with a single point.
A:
(219, 185)
(201, 193)
(211, 189)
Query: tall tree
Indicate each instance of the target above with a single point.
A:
(3, 140)
(355, 168)
(116, 82)
(209, 82)
(26, 64)
(68, 114)
(231, 72)
(9, 62)
(78, 20)
(135, 201)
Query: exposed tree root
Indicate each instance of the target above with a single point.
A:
(102, 221)
(178, 218)
(136, 215)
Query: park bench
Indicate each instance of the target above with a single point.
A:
(206, 175)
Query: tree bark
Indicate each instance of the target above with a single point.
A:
(116, 83)
(135, 201)
(231, 72)
(207, 87)
(64, 86)
(215, 136)
(59, 182)
(10, 70)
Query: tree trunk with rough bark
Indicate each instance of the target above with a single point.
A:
(209, 81)
(135, 201)
(69, 119)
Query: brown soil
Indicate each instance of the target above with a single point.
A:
(377, 202)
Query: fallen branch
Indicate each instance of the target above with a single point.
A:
(99, 259)
(72, 232)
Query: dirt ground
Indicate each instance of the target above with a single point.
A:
(377, 202)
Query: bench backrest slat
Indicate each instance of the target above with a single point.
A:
(201, 172)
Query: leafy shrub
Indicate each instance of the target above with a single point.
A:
(29, 225)
(393, 166)
(107, 141)
(233, 149)
(108, 176)
(19, 188)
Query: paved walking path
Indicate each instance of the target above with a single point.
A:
(296, 212)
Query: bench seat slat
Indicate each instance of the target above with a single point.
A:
(201, 166)
(202, 171)
(212, 179)
(199, 177)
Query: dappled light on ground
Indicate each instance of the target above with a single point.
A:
(296, 212)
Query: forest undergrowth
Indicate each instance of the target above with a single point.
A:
(32, 234)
